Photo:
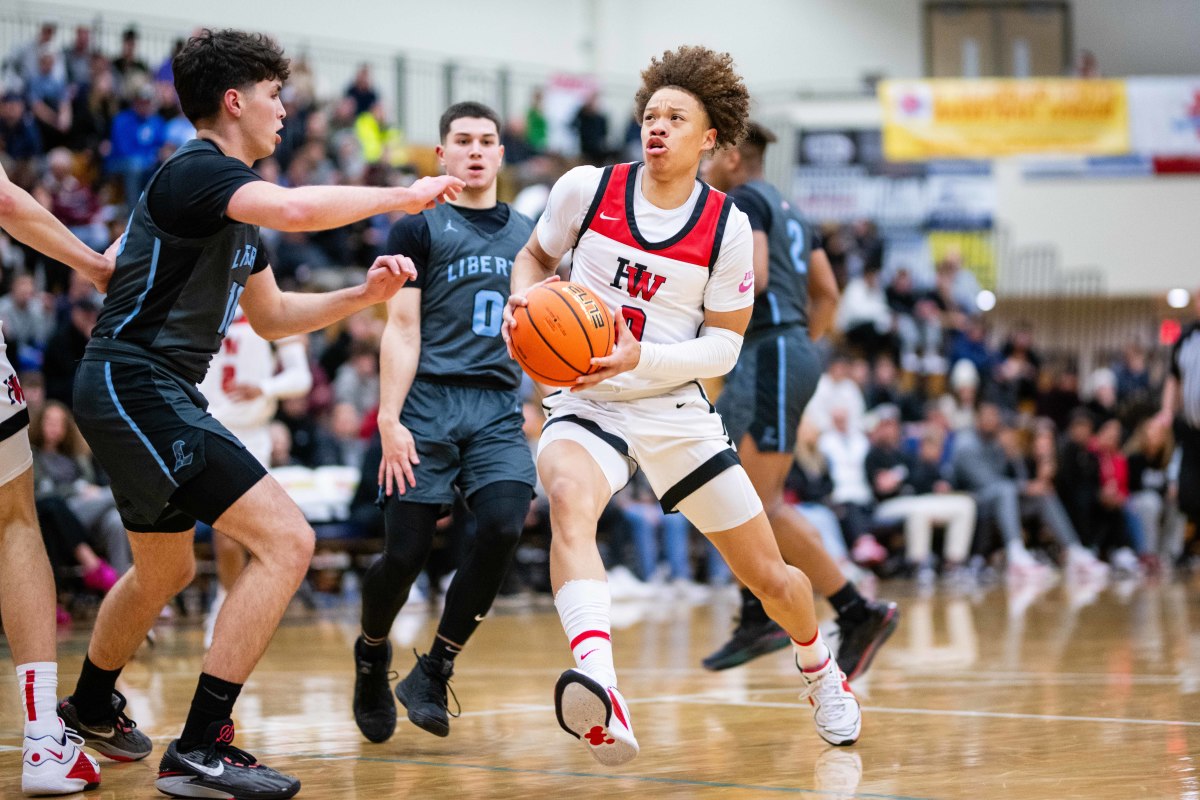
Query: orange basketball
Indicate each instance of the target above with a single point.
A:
(559, 333)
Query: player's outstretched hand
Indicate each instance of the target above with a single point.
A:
(428, 192)
(624, 357)
(515, 301)
(386, 276)
(399, 456)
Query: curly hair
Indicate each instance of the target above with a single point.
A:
(708, 76)
(213, 61)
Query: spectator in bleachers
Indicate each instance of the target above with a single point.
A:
(1060, 398)
(591, 124)
(19, 134)
(918, 326)
(304, 433)
(863, 315)
(964, 385)
(130, 70)
(344, 446)
(1149, 455)
(25, 58)
(63, 468)
(1077, 476)
(1102, 395)
(1133, 376)
(845, 449)
(362, 90)
(71, 200)
(66, 347)
(885, 387)
(49, 99)
(1114, 532)
(1000, 484)
(27, 321)
(809, 488)
(77, 58)
(536, 131)
(836, 389)
(1015, 378)
(955, 291)
(95, 106)
(912, 491)
(357, 381)
(138, 134)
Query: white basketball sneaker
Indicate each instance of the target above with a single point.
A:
(835, 708)
(597, 716)
(57, 765)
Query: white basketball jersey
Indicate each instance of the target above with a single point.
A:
(704, 261)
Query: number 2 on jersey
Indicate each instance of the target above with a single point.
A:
(489, 307)
(795, 232)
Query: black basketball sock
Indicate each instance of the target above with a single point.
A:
(212, 702)
(848, 603)
(753, 612)
(371, 650)
(93, 692)
(442, 650)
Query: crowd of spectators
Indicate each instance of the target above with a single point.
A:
(925, 425)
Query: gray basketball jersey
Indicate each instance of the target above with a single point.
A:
(170, 298)
(465, 290)
(785, 302)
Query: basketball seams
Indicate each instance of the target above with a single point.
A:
(550, 347)
(582, 326)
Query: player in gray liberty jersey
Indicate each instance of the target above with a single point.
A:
(450, 419)
(765, 396)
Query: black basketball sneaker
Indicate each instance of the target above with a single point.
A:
(861, 640)
(750, 640)
(374, 708)
(423, 692)
(116, 737)
(217, 769)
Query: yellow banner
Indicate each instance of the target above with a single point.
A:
(995, 117)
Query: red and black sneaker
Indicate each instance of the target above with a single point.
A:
(861, 639)
(216, 768)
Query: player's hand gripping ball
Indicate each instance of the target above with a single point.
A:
(560, 331)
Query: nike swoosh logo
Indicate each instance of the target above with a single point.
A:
(681, 405)
(479, 617)
(212, 772)
(585, 655)
(745, 287)
(56, 755)
(607, 217)
(224, 698)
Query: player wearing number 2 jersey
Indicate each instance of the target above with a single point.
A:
(450, 418)
(764, 396)
(673, 258)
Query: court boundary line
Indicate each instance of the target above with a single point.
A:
(554, 773)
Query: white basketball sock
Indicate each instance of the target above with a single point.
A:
(583, 606)
(37, 683)
(812, 656)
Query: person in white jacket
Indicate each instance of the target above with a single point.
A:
(247, 379)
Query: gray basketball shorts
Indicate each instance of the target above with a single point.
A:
(766, 393)
(466, 437)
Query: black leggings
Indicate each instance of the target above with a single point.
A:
(499, 510)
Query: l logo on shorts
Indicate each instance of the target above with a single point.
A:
(182, 459)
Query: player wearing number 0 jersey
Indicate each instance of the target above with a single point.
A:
(673, 259)
(246, 380)
(450, 420)
(765, 395)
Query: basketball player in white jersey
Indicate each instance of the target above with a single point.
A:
(673, 259)
(52, 761)
(245, 382)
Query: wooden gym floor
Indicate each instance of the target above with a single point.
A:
(1066, 693)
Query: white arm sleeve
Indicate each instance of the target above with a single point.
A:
(295, 378)
(569, 200)
(710, 355)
